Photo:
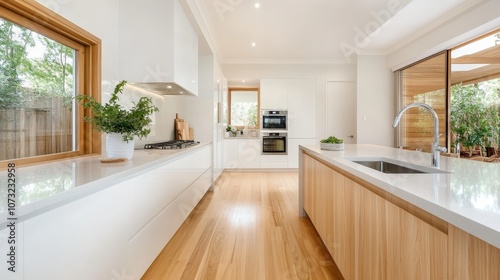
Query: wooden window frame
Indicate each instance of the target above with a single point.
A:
(449, 62)
(230, 90)
(42, 20)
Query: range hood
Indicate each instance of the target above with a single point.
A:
(161, 88)
(158, 47)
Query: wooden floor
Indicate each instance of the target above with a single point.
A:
(247, 228)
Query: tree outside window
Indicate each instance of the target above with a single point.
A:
(244, 108)
(37, 88)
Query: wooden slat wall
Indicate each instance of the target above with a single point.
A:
(424, 82)
(35, 131)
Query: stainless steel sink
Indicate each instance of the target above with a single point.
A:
(392, 166)
(388, 167)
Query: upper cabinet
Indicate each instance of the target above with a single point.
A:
(158, 47)
(298, 96)
(273, 94)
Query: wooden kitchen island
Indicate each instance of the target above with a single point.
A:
(403, 226)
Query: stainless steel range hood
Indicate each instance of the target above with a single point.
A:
(161, 88)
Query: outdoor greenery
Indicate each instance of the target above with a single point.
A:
(244, 114)
(33, 68)
(113, 118)
(475, 115)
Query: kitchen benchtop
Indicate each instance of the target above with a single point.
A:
(40, 188)
(468, 197)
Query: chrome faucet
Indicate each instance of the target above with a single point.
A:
(435, 146)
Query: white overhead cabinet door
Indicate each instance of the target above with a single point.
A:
(273, 94)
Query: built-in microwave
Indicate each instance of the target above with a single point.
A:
(273, 120)
(274, 143)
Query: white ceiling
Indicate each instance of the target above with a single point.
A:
(319, 31)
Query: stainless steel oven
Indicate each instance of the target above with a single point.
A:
(274, 143)
(273, 120)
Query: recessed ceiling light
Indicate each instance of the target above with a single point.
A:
(169, 87)
(253, 44)
(257, 5)
(242, 81)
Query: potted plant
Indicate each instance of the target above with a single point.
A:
(332, 143)
(120, 124)
(232, 130)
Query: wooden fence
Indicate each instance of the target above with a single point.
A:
(46, 127)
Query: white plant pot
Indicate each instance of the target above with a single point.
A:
(332, 147)
(117, 148)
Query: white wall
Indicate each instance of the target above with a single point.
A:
(199, 110)
(375, 101)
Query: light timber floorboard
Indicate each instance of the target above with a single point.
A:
(247, 228)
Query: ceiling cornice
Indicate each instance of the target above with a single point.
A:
(304, 61)
(200, 14)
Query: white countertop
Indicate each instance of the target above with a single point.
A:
(40, 188)
(468, 197)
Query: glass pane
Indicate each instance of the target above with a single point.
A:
(244, 108)
(475, 80)
(37, 86)
(424, 82)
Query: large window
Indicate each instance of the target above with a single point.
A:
(463, 86)
(243, 108)
(475, 92)
(42, 71)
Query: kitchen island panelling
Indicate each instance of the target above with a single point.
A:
(438, 225)
(467, 197)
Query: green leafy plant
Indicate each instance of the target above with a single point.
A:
(474, 115)
(228, 128)
(113, 118)
(332, 140)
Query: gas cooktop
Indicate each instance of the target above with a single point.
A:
(171, 144)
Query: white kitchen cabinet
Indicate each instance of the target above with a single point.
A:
(301, 108)
(293, 150)
(274, 161)
(242, 153)
(118, 231)
(273, 94)
(249, 153)
(231, 154)
(145, 246)
(298, 96)
(87, 238)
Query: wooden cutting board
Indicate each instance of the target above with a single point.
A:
(184, 131)
(181, 129)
